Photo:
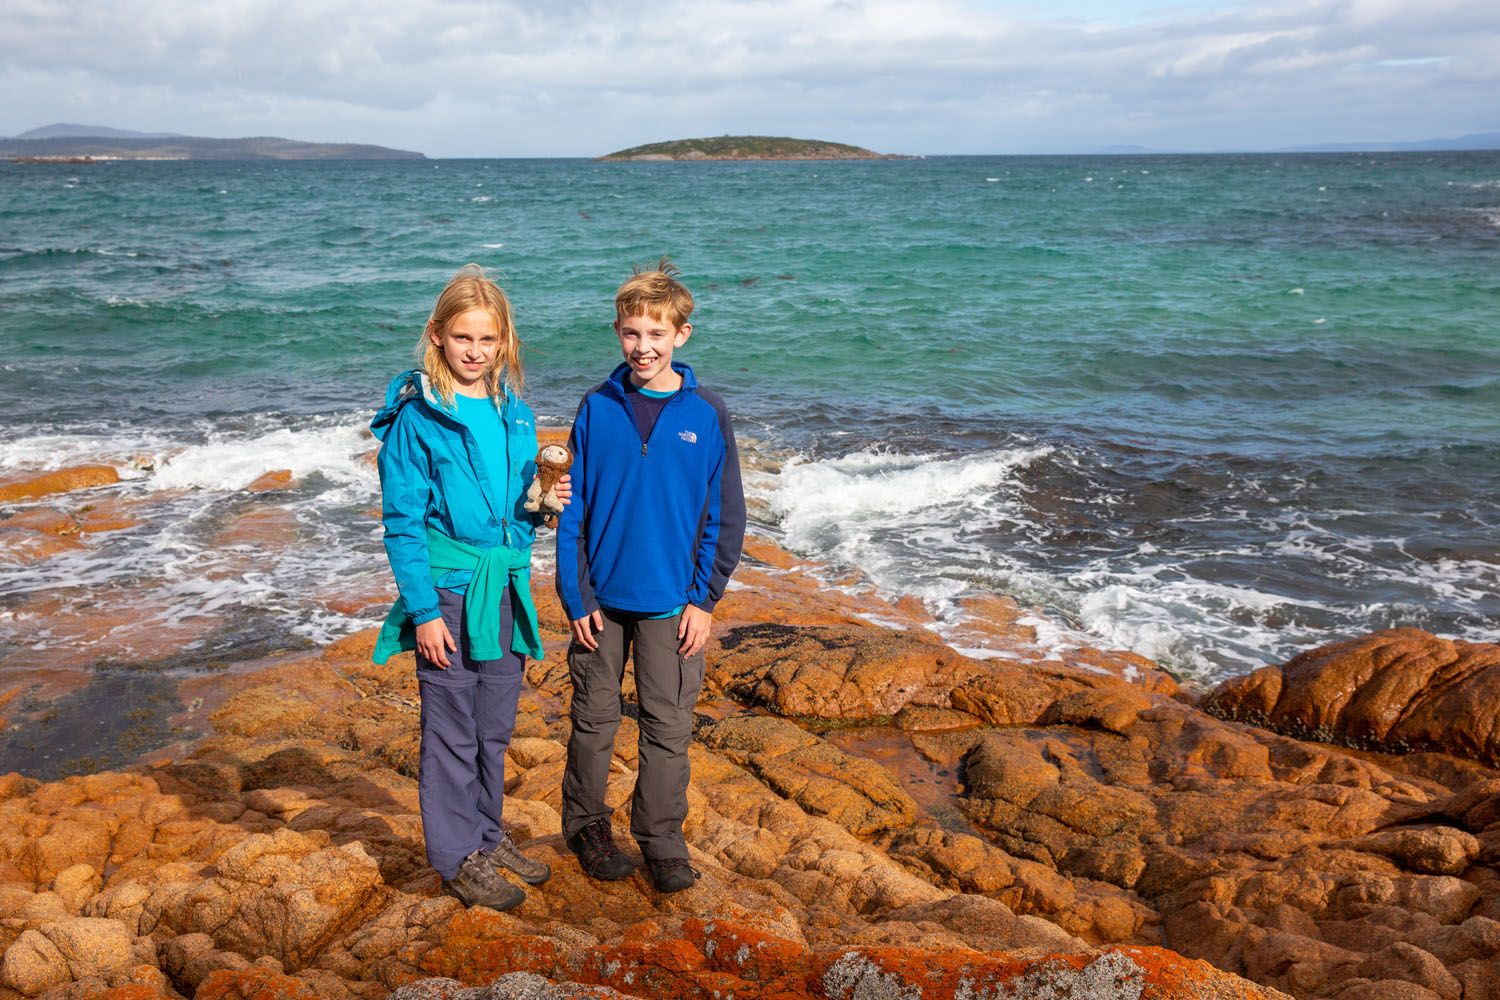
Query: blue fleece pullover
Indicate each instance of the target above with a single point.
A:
(433, 472)
(654, 523)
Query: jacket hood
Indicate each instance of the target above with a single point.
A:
(409, 387)
(620, 374)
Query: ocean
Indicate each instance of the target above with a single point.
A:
(1214, 409)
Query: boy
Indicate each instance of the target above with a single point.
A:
(643, 555)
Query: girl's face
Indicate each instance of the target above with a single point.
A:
(470, 343)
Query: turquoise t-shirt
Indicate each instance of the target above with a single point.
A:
(483, 420)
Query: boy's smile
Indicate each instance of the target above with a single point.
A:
(647, 343)
(469, 345)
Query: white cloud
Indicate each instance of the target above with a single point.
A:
(462, 77)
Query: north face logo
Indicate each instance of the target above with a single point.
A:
(688, 436)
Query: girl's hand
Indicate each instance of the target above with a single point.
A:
(563, 489)
(435, 642)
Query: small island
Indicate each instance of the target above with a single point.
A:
(746, 147)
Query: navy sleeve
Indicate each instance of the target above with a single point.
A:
(723, 534)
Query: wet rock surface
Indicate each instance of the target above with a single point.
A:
(873, 815)
(1398, 690)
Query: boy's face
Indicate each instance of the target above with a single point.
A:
(647, 343)
(469, 343)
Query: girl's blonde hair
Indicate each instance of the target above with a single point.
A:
(471, 289)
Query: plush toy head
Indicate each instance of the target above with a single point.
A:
(554, 456)
(552, 463)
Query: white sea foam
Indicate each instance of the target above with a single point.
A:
(110, 446)
(1146, 610)
(209, 560)
(876, 485)
(927, 526)
(230, 463)
(492, 246)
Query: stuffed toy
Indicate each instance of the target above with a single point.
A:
(551, 463)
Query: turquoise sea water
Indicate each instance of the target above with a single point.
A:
(1216, 409)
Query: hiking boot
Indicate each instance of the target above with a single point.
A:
(597, 853)
(672, 874)
(479, 884)
(507, 855)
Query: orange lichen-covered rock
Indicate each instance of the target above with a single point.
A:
(261, 529)
(255, 983)
(1021, 829)
(29, 486)
(479, 944)
(1402, 689)
(827, 671)
(866, 671)
(746, 952)
(825, 781)
(276, 479)
(24, 543)
(72, 949)
(1115, 974)
(49, 522)
(285, 895)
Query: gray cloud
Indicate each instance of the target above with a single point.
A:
(460, 77)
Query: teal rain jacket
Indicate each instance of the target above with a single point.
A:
(432, 474)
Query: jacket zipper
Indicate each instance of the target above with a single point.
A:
(654, 426)
(505, 490)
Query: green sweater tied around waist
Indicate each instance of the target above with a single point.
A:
(494, 569)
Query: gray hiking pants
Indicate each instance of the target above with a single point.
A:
(667, 687)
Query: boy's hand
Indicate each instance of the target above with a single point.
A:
(692, 629)
(584, 629)
(563, 490)
(434, 641)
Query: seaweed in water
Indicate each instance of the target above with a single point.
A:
(774, 636)
(114, 720)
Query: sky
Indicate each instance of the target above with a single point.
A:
(586, 77)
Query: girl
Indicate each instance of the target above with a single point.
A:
(458, 449)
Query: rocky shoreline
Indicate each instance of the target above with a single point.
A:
(875, 814)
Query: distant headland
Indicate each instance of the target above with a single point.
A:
(748, 147)
(94, 143)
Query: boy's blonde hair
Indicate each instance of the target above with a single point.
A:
(469, 289)
(655, 292)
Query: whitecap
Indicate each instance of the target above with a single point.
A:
(57, 450)
(231, 463)
(873, 485)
